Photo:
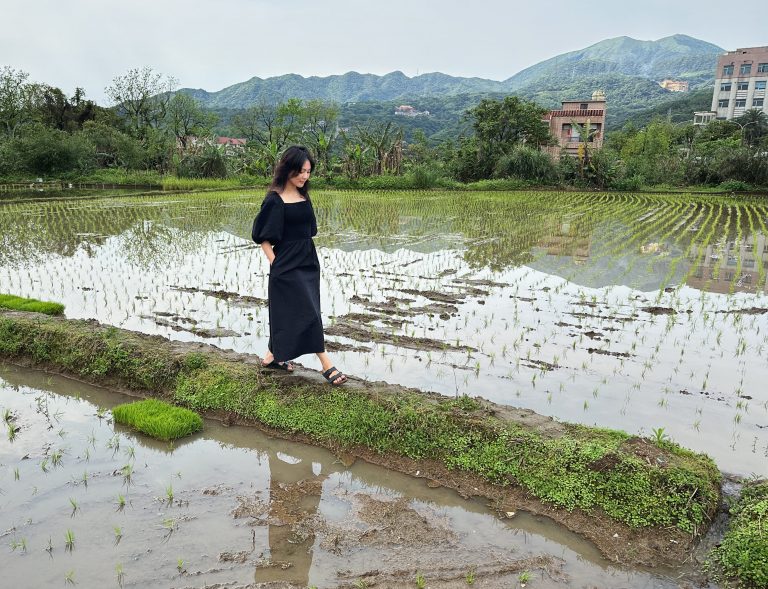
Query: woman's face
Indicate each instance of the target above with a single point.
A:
(301, 178)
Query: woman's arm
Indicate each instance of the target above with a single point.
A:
(266, 247)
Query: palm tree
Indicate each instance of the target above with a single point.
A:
(754, 126)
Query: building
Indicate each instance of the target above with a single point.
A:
(740, 82)
(406, 110)
(702, 118)
(565, 124)
(674, 85)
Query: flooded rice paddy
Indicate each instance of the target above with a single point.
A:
(638, 312)
(87, 502)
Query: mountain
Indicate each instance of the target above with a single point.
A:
(628, 70)
(679, 56)
(349, 87)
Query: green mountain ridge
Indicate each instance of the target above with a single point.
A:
(677, 56)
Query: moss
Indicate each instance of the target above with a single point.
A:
(158, 419)
(742, 557)
(15, 303)
(576, 467)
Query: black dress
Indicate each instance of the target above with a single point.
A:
(295, 323)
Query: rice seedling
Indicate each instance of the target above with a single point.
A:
(118, 534)
(69, 541)
(120, 575)
(75, 507)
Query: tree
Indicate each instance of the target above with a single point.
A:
(17, 98)
(385, 142)
(753, 125)
(141, 97)
(320, 131)
(185, 118)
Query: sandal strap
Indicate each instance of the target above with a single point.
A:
(331, 370)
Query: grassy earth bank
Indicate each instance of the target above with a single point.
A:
(639, 501)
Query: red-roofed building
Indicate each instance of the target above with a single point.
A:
(562, 128)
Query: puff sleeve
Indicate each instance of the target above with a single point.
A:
(268, 224)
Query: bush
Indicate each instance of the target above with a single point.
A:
(734, 186)
(49, 152)
(210, 163)
(526, 163)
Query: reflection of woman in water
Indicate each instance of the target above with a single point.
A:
(284, 227)
(294, 496)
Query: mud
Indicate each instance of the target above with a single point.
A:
(230, 297)
(364, 332)
(175, 322)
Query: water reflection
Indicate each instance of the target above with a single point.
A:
(312, 517)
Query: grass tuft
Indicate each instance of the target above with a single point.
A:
(158, 419)
(8, 301)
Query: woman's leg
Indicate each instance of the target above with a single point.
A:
(326, 363)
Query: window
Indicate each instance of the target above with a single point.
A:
(725, 87)
(742, 86)
(757, 102)
(760, 85)
(741, 103)
(728, 70)
(723, 103)
(746, 68)
(762, 68)
(583, 106)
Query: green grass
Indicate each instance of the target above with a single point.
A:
(158, 419)
(576, 467)
(742, 556)
(8, 301)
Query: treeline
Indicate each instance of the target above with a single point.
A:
(45, 133)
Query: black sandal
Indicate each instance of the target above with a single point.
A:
(332, 379)
(274, 365)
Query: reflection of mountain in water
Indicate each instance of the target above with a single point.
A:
(642, 241)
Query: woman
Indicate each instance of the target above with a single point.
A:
(284, 227)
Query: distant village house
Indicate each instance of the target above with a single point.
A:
(674, 85)
(406, 110)
(567, 125)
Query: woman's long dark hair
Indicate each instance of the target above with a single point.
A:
(290, 165)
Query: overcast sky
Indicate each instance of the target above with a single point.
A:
(212, 44)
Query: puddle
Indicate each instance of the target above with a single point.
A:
(230, 507)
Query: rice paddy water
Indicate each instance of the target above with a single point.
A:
(646, 313)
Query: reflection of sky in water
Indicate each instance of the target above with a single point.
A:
(570, 288)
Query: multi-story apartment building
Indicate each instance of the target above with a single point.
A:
(581, 112)
(740, 82)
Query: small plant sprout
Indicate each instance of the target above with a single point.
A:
(120, 503)
(69, 541)
(120, 574)
(118, 534)
(180, 566)
(75, 507)
(421, 582)
(69, 578)
(169, 493)
(524, 578)
(470, 576)
(659, 436)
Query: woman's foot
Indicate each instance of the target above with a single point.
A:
(334, 376)
(269, 362)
